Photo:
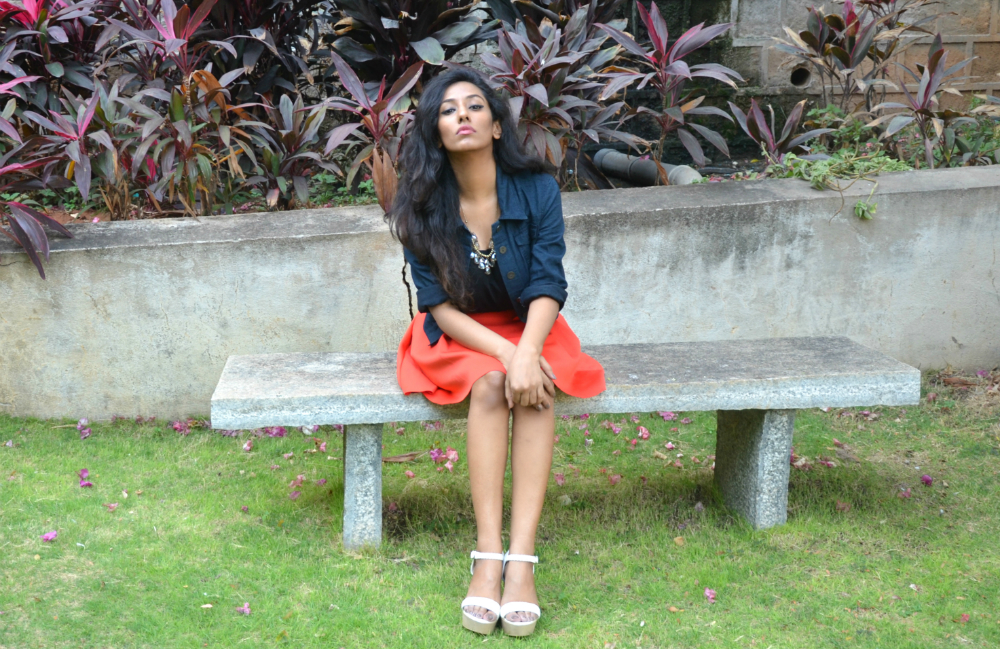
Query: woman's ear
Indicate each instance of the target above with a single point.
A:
(497, 131)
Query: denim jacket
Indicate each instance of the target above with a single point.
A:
(529, 243)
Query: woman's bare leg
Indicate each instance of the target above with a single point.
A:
(486, 453)
(531, 462)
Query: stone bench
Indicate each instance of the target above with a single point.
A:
(754, 385)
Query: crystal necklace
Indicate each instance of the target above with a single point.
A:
(485, 261)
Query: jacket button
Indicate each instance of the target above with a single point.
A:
(503, 249)
(510, 275)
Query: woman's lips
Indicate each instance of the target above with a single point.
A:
(466, 130)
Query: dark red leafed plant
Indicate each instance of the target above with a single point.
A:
(24, 224)
(669, 74)
(381, 129)
(549, 77)
(923, 108)
(755, 125)
(287, 159)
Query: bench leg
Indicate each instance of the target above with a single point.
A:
(362, 485)
(752, 452)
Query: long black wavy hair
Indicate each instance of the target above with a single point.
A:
(424, 215)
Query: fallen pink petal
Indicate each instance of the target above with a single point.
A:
(451, 455)
(294, 495)
(615, 479)
(48, 537)
(687, 421)
(298, 481)
(84, 433)
(635, 419)
(904, 494)
(926, 479)
(111, 506)
(288, 455)
(710, 595)
(670, 445)
(436, 455)
(409, 474)
(322, 446)
(245, 508)
(248, 445)
(82, 424)
(321, 481)
(86, 484)
(245, 610)
(560, 479)
(448, 466)
(667, 415)
(83, 473)
(965, 618)
(310, 428)
(585, 416)
(643, 432)
(274, 467)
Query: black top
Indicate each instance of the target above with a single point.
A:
(488, 291)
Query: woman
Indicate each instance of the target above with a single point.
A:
(482, 230)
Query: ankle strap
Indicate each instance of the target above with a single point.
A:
(511, 557)
(476, 555)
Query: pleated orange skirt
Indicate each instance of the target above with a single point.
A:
(445, 372)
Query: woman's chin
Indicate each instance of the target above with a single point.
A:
(467, 145)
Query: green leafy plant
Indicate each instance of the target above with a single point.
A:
(826, 173)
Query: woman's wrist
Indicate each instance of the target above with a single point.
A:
(506, 352)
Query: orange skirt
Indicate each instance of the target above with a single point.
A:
(445, 372)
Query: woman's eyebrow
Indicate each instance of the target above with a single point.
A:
(467, 97)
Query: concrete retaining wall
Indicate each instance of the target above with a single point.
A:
(139, 317)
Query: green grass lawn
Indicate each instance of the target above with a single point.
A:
(622, 565)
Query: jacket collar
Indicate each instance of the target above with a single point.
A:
(511, 207)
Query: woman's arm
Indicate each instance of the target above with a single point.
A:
(471, 334)
(529, 376)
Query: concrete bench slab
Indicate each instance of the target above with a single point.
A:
(755, 385)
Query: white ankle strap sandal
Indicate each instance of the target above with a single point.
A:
(519, 628)
(474, 623)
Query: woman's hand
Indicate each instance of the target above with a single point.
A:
(529, 379)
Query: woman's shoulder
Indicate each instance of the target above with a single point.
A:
(536, 187)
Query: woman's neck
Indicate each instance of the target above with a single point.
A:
(476, 173)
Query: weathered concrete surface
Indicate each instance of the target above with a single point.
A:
(792, 373)
(140, 317)
(362, 485)
(752, 450)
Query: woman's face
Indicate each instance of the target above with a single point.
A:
(465, 122)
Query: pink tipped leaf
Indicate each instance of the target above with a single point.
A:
(695, 38)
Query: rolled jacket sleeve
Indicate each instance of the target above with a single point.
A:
(429, 289)
(547, 277)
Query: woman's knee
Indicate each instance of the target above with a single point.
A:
(488, 390)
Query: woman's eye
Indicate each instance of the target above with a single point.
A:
(476, 106)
